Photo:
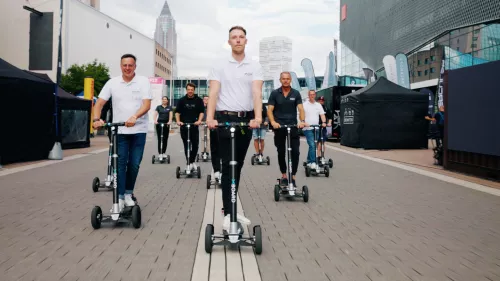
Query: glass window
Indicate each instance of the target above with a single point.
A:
(426, 72)
(419, 73)
(433, 70)
(426, 60)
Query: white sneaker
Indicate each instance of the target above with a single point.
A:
(193, 166)
(121, 205)
(217, 176)
(188, 168)
(242, 219)
(309, 165)
(129, 202)
(313, 165)
(226, 222)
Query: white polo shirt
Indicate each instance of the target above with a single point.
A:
(312, 111)
(236, 83)
(127, 99)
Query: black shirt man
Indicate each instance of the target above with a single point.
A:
(282, 109)
(190, 110)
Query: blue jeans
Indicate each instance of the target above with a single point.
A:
(130, 151)
(311, 154)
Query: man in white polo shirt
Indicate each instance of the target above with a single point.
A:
(312, 109)
(235, 96)
(131, 102)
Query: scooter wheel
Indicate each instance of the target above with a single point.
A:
(209, 231)
(178, 172)
(268, 160)
(153, 160)
(277, 191)
(96, 217)
(257, 233)
(305, 193)
(308, 171)
(209, 179)
(136, 216)
(253, 160)
(327, 171)
(330, 163)
(198, 171)
(95, 184)
(304, 163)
(168, 159)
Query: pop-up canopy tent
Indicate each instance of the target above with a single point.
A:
(74, 115)
(384, 115)
(26, 111)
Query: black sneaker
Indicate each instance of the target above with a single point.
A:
(294, 184)
(284, 181)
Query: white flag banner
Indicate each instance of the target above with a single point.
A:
(390, 68)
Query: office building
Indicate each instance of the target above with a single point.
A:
(166, 34)
(275, 56)
(163, 62)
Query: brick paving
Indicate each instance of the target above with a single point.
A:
(366, 222)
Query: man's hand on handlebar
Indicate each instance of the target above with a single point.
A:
(255, 123)
(179, 123)
(197, 123)
(97, 124)
(302, 125)
(131, 121)
(212, 124)
(275, 125)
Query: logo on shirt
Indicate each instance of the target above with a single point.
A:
(190, 106)
(292, 98)
(248, 74)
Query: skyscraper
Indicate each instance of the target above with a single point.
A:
(166, 35)
(275, 56)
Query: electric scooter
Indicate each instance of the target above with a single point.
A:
(322, 160)
(96, 183)
(235, 235)
(216, 181)
(186, 172)
(205, 156)
(127, 214)
(289, 191)
(259, 159)
(162, 158)
(320, 169)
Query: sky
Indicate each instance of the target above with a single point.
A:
(203, 25)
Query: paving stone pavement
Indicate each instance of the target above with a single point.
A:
(371, 222)
(366, 222)
(46, 233)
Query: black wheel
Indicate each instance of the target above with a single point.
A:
(209, 178)
(178, 172)
(95, 184)
(277, 191)
(168, 159)
(96, 217)
(136, 216)
(257, 232)
(153, 160)
(305, 193)
(327, 171)
(198, 171)
(304, 164)
(253, 160)
(209, 231)
(330, 163)
(308, 171)
(268, 160)
(197, 158)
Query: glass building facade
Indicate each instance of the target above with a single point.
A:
(176, 88)
(350, 64)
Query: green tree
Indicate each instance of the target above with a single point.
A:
(73, 80)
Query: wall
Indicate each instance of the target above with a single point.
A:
(163, 62)
(85, 37)
(89, 38)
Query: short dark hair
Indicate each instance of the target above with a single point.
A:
(190, 85)
(164, 97)
(237, 27)
(128, 56)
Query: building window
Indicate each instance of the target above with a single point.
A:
(426, 61)
(418, 63)
(433, 58)
(433, 70)
(477, 31)
(426, 72)
(107, 25)
(130, 36)
(473, 46)
(474, 38)
(419, 73)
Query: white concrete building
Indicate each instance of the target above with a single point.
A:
(30, 41)
(275, 56)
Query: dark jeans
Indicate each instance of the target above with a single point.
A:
(166, 131)
(280, 136)
(243, 137)
(130, 151)
(194, 138)
(214, 149)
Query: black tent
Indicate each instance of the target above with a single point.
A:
(384, 115)
(26, 111)
(74, 116)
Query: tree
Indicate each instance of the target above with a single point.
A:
(73, 80)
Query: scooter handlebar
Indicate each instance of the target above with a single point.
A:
(114, 124)
(233, 124)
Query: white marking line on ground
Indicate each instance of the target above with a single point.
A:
(448, 179)
(222, 263)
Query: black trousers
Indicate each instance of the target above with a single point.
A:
(280, 136)
(214, 150)
(166, 131)
(243, 137)
(194, 138)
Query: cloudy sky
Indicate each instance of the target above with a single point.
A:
(202, 27)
